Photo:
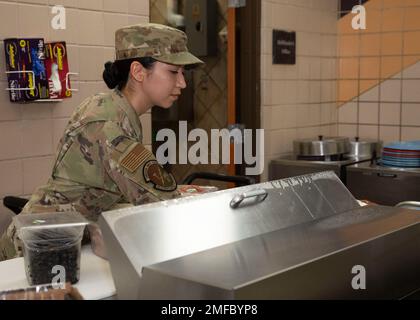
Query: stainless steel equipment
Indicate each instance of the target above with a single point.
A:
(291, 238)
(316, 155)
(383, 185)
(365, 148)
(323, 147)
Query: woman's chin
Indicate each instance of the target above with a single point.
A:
(166, 105)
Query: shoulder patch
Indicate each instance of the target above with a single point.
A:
(161, 179)
(135, 158)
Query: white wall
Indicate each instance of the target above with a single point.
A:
(299, 101)
(29, 133)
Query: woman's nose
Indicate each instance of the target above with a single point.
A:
(181, 81)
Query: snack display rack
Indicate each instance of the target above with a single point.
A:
(32, 74)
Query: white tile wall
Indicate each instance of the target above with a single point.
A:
(29, 133)
(348, 113)
(298, 101)
(347, 130)
(12, 177)
(368, 131)
(369, 112)
(411, 114)
(36, 20)
(411, 92)
(390, 113)
(410, 133)
(370, 95)
(412, 72)
(389, 134)
(390, 91)
(394, 105)
(36, 172)
(8, 19)
(11, 134)
(398, 97)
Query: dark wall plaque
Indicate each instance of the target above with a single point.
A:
(284, 47)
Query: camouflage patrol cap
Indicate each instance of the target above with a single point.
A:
(158, 41)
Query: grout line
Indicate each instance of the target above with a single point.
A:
(101, 10)
(381, 124)
(359, 59)
(343, 79)
(338, 56)
(381, 47)
(402, 76)
(331, 102)
(28, 158)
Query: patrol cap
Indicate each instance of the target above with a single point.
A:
(160, 42)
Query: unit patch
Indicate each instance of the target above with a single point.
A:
(155, 173)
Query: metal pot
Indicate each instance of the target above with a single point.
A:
(365, 148)
(322, 147)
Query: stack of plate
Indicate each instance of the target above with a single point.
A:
(402, 154)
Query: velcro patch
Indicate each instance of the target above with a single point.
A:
(161, 179)
(134, 159)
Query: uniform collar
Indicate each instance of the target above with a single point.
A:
(134, 119)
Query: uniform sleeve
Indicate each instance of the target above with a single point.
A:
(136, 172)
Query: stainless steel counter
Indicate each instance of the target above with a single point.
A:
(383, 185)
(292, 238)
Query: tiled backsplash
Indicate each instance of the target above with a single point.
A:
(372, 75)
(29, 133)
(379, 73)
(299, 101)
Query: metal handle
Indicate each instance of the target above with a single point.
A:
(237, 200)
(240, 180)
(387, 175)
(409, 204)
(68, 79)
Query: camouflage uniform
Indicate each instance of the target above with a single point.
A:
(101, 162)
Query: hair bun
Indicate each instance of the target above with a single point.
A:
(110, 75)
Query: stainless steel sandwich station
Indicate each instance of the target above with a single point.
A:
(295, 238)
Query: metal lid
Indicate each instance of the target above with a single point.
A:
(365, 147)
(323, 146)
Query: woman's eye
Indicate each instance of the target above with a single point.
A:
(174, 72)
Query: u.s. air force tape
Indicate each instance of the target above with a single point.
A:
(162, 180)
(135, 158)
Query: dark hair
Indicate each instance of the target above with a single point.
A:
(116, 73)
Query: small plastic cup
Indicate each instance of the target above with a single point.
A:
(51, 246)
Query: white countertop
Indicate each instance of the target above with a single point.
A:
(95, 276)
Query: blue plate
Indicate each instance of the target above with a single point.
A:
(405, 145)
(401, 154)
(401, 159)
(400, 164)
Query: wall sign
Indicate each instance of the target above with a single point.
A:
(284, 47)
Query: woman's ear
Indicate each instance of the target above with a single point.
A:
(137, 71)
